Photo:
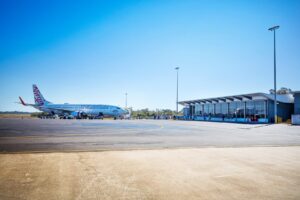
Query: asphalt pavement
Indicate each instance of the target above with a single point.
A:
(49, 135)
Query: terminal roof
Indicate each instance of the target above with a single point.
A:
(283, 98)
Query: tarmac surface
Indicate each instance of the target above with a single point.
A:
(147, 159)
(48, 135)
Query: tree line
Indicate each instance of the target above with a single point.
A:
(158, 113)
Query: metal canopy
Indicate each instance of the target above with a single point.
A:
(284, 98)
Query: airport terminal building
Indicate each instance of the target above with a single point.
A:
(246, 108)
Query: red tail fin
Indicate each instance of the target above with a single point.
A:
(22, 102)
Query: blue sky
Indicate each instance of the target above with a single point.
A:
(95, 51)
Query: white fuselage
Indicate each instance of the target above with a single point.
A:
(90, 110)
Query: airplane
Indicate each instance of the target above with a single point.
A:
(79, 111)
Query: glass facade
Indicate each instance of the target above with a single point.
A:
(192, 110)
(206, 109)
(252, 109)
(236, 109)
(240, 109)
(218, 109)
(261, 109)
(198, 109)
(224, 108)
(256, 109)
(211, 110)
(232, 110)
(221, 109)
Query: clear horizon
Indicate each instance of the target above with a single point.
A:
(95, 52)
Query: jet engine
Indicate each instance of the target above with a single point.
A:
(79, 115)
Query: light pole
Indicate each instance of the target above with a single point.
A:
(274, 28)
(126, 100)
(177, 68)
